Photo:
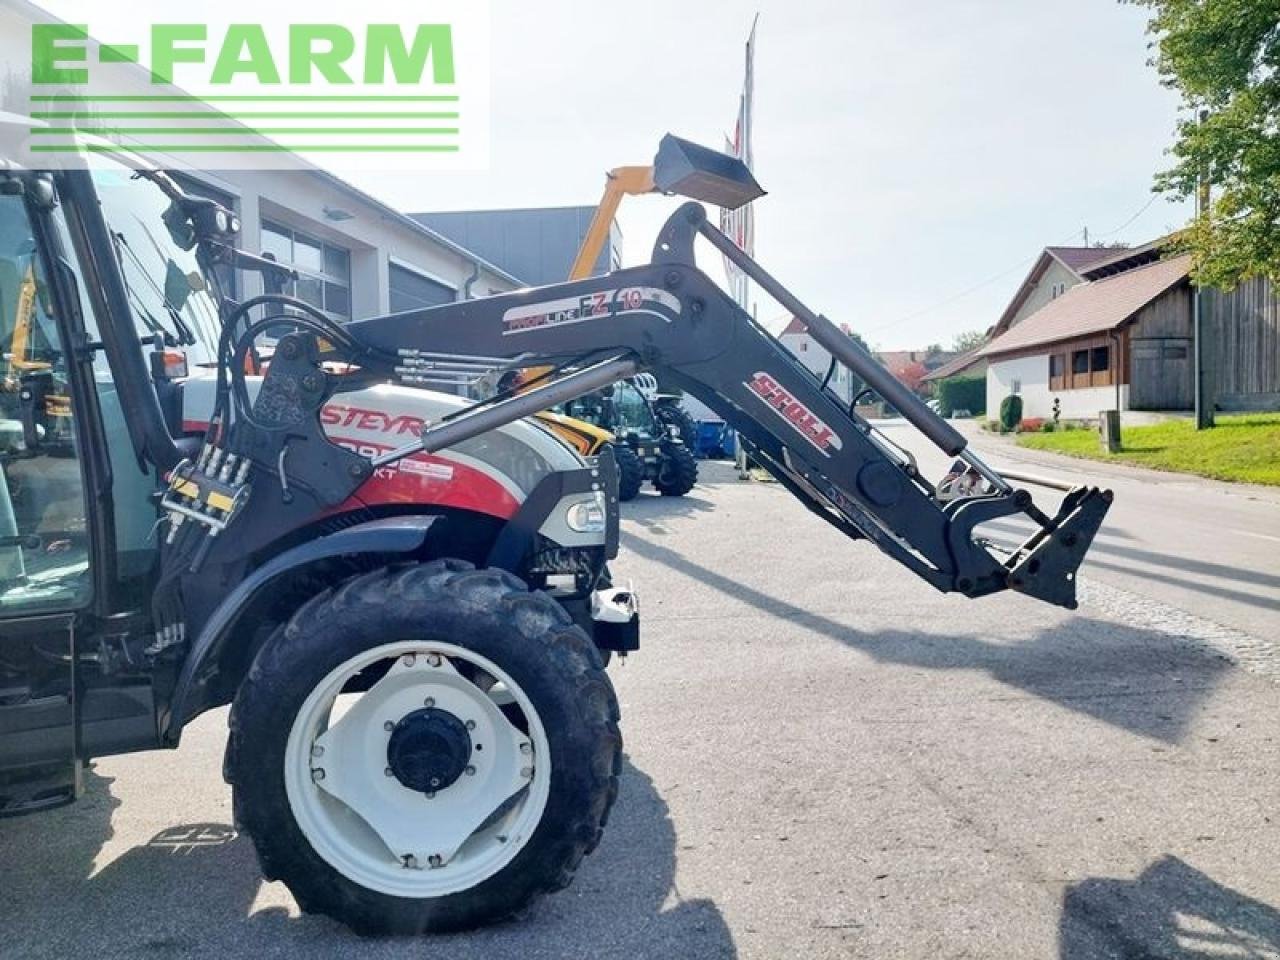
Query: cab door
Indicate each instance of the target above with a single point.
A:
(47, 555)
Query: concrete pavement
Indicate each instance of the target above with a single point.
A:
(825, 758)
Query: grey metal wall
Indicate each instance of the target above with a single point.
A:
(537, 245)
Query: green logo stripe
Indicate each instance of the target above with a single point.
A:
(264, 98)
(257, 115)
(239, 131)
(247, 148)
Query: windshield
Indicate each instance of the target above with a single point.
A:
(631, 410)
(166, 289)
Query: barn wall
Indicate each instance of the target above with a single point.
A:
(1244, 327)
(1161, 353)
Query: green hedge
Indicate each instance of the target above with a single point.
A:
(962, 393)
(1010, 413)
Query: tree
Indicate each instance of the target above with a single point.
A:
(1223, 57)
(911, 374)
(968, 340)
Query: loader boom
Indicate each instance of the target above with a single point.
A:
(671, 318)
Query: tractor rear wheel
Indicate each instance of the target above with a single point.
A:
(424, 748)
(630, 471)
(678, 471)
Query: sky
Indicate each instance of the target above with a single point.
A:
(917, 156)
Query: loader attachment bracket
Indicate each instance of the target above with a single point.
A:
(1045, 565)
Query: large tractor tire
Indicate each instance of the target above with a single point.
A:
(672, 414)
(424, 749)
(678, 471)
(630, 471)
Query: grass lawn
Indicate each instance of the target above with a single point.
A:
(1243, 447)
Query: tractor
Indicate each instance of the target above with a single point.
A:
(402, 596)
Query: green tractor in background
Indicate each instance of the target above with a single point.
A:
(649, 442)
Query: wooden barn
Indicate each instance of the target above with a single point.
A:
(1123, 337)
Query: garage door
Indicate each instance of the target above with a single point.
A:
(412, 291)
(1161, 374)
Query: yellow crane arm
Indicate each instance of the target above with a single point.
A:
(619, 182)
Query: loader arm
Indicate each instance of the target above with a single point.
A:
(671, 318)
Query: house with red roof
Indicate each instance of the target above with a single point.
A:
(1115, 334)
(1055, 271)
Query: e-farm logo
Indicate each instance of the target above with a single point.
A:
(234, 91)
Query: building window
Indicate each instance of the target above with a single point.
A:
(1057, 371)
(324, 271)
(411, 290)
(1090, 367)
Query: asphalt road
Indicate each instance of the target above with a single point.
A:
(1207, 548)
(825, 758)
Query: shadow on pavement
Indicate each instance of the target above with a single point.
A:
(1170, 912)
(194, 890)
(652, 510)
(1143, 681)
(1162, 565)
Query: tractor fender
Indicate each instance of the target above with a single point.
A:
(391, 535)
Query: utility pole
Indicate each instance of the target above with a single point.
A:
(1203, 345)
(1086, 236)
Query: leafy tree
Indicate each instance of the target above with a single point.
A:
(1223, 57)
(968, 340)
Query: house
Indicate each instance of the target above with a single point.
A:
(913, 367)
(796, 338)
(1120, 336)
(1056, 270)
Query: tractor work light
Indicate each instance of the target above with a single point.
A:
(587, 516)
(690, 170)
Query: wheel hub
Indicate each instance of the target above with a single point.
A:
(429, 750)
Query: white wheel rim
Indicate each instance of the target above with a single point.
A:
(378, 832)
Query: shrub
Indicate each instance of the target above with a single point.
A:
(1048, 426)
(962, 393)
(1031, 424)
(992, 426)
(1010, 413)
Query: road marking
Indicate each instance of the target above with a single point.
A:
(1260, 536)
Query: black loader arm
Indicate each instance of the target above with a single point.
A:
(671, 318)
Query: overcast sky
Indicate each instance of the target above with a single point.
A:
(911, 151)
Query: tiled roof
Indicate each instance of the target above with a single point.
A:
(955, 365)
(1092, 307)
(1080, 258)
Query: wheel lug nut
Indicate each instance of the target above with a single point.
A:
(389, 772)
(526, 772)
(409, 659)
(471, 724)
(433, 659)
(317, 751)
(525, 748)
(410, 861)
(434, 860)
(317, 774)
(471, 771)
(430, 794)
(388, 726)
(429, 702)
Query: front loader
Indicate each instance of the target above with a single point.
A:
(419, 741)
